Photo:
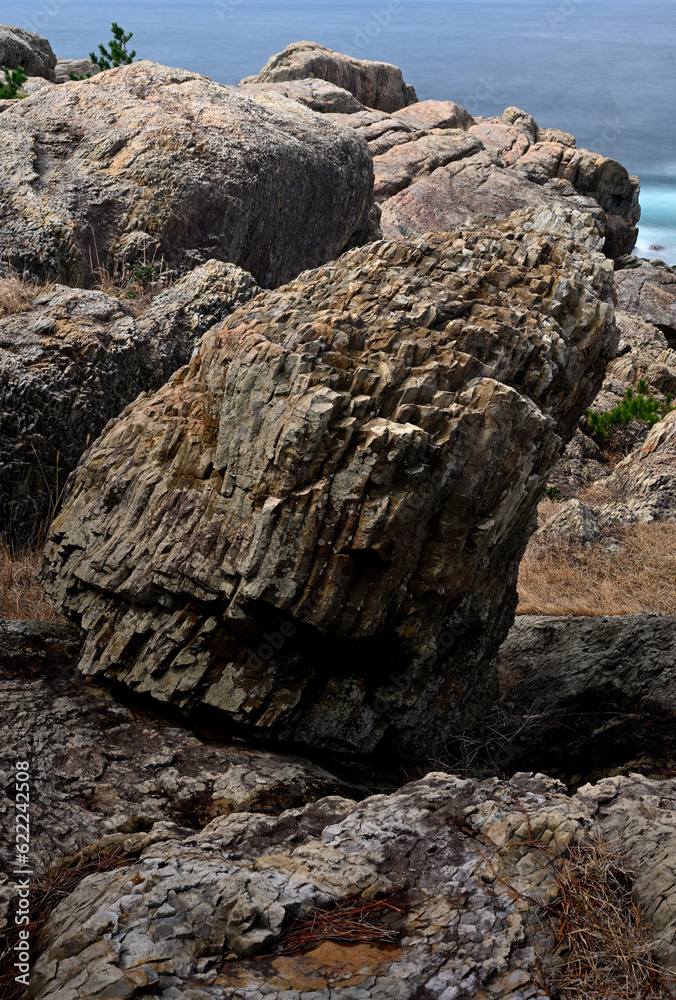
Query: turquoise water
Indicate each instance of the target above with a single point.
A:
(604, 70)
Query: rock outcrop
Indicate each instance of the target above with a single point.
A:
(103, 769)
(78, 67)
(649, 291)
(27, 49)
(463, 865)
(315, 528)
(265, 184)
(375, 84)
(75, 359)
(318, 95)
(436, 167)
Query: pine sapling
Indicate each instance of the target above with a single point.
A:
(116, 54)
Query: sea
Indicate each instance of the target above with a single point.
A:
(604, 70)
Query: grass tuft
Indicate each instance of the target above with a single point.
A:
(18, 293)
(21, 594)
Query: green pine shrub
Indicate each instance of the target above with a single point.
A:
(634, 406)
(116, 54)
(14, 81)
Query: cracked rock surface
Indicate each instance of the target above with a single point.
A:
(75, 359)
(314, 529)
(186, 918)
(168, 152)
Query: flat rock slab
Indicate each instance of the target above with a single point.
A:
(314, 530)
(469, 866)
(266, 184)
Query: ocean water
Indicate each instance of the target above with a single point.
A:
(604, 70)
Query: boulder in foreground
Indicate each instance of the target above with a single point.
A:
(209, 173)
(314, 530)
(376, 84)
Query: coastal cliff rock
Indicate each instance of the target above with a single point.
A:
(79, 67)
(436, 167)
(265, 184)
(318, 95)
(75, 359)
(19, 47)
(314, 529)
(649, 291)
(465, 869)
(375, 84)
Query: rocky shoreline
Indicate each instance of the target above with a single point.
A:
(310, 353)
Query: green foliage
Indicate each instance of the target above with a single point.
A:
(637, 406)
(554, 493)
(145, 274)
(78, 76)
(14, 80)
(116, 54)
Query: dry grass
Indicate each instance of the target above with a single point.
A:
(605, 944)
(21, 595)
(17, 294)
(563, 578)
(350, 922)
(47, 891)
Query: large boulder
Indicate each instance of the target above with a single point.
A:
(27, 49)
(266, 184)
(649, 291)
(376, 84)
(75, 359)
(436, 167)
(318, 95)
(314, 530)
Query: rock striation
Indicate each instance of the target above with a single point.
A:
(27, 49)
(461, 860)
(209, 173)
(75, 359)
(313, 530)
(649, 291)
(437, 167)
(375, 84)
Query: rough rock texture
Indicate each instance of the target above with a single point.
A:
(621, 660)
(436, 167)
(80, 67)
(376, 84)
(315, 528)
(266, 184)
(574, 520)
(649, 291)
(19, 47)
(75, 360)
(318, 95)
(100, 768)
(186, 919)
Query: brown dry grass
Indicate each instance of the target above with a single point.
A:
(605, 943)
(17, 294)
(562, 578)
(21, 595)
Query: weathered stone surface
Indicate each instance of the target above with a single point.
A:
(315, 528)
(612, 660)
(575, 521)
(164, 151)
(643, 485)
(102, 769)
(376, 84)
(75, 360)
(649, 291)
(27, 49)
(79, 67)
(318, 95)
(436, 114)
(436, 168)
(461, 856)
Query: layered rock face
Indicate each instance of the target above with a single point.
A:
(649, 291)
(75, 359)
(265, 184)
(375, 84)
(468, 867)
(436, 167)
(314, 529)
(19, 47)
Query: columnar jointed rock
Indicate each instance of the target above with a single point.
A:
(27, 49)
(315, 528)
(465, 861)
(265, 184)
(376, 84)
(75, 360)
